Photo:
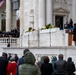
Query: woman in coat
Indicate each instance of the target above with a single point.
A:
(46, 67)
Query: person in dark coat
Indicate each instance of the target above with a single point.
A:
(74, 34)
(46, 67)
(70, 24)
(70, 66)
(60, 66)
(16, 57)
(3, 64)
(21, 60)
(41, 61)
(9, 56)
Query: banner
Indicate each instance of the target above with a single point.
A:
(1, 3)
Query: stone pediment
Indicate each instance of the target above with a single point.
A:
(61, 10)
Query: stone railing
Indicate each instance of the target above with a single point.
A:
(4, 41)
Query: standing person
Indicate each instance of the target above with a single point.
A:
(60, 66)
(21, 60)
(74, 34)
(3, 64)
(16, 57)
(54, 59)
(29, 67)
(70, 66)
(12, 67)
(9, 56)
(46, 67)
(41, 61)
(70, 24)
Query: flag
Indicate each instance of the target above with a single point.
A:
(1, 3)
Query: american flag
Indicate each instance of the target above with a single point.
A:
(1, 2)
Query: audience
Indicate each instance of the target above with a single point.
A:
(26, 65)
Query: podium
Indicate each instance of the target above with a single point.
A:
(70, 38)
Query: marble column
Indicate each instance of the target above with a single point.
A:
(21, 17)
(36, 20)
(21, 22)
(14, 19)
(74, 11)
(42, 13)
(8, 15)
(49, 12)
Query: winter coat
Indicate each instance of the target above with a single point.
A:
(54, 59)
(3, 65)
(70, 67)
(29, 67)
(46, 69)
(11, 68)
(60, 67)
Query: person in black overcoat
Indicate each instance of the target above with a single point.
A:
(3, 64)
(70, 66)
(46, 67)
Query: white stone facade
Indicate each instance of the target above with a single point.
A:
(37, 14)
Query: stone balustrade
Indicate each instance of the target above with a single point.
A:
(4, 41)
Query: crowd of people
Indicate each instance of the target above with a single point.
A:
(13, 33)
(27, 65)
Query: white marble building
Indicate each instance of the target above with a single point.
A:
(37, 14)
